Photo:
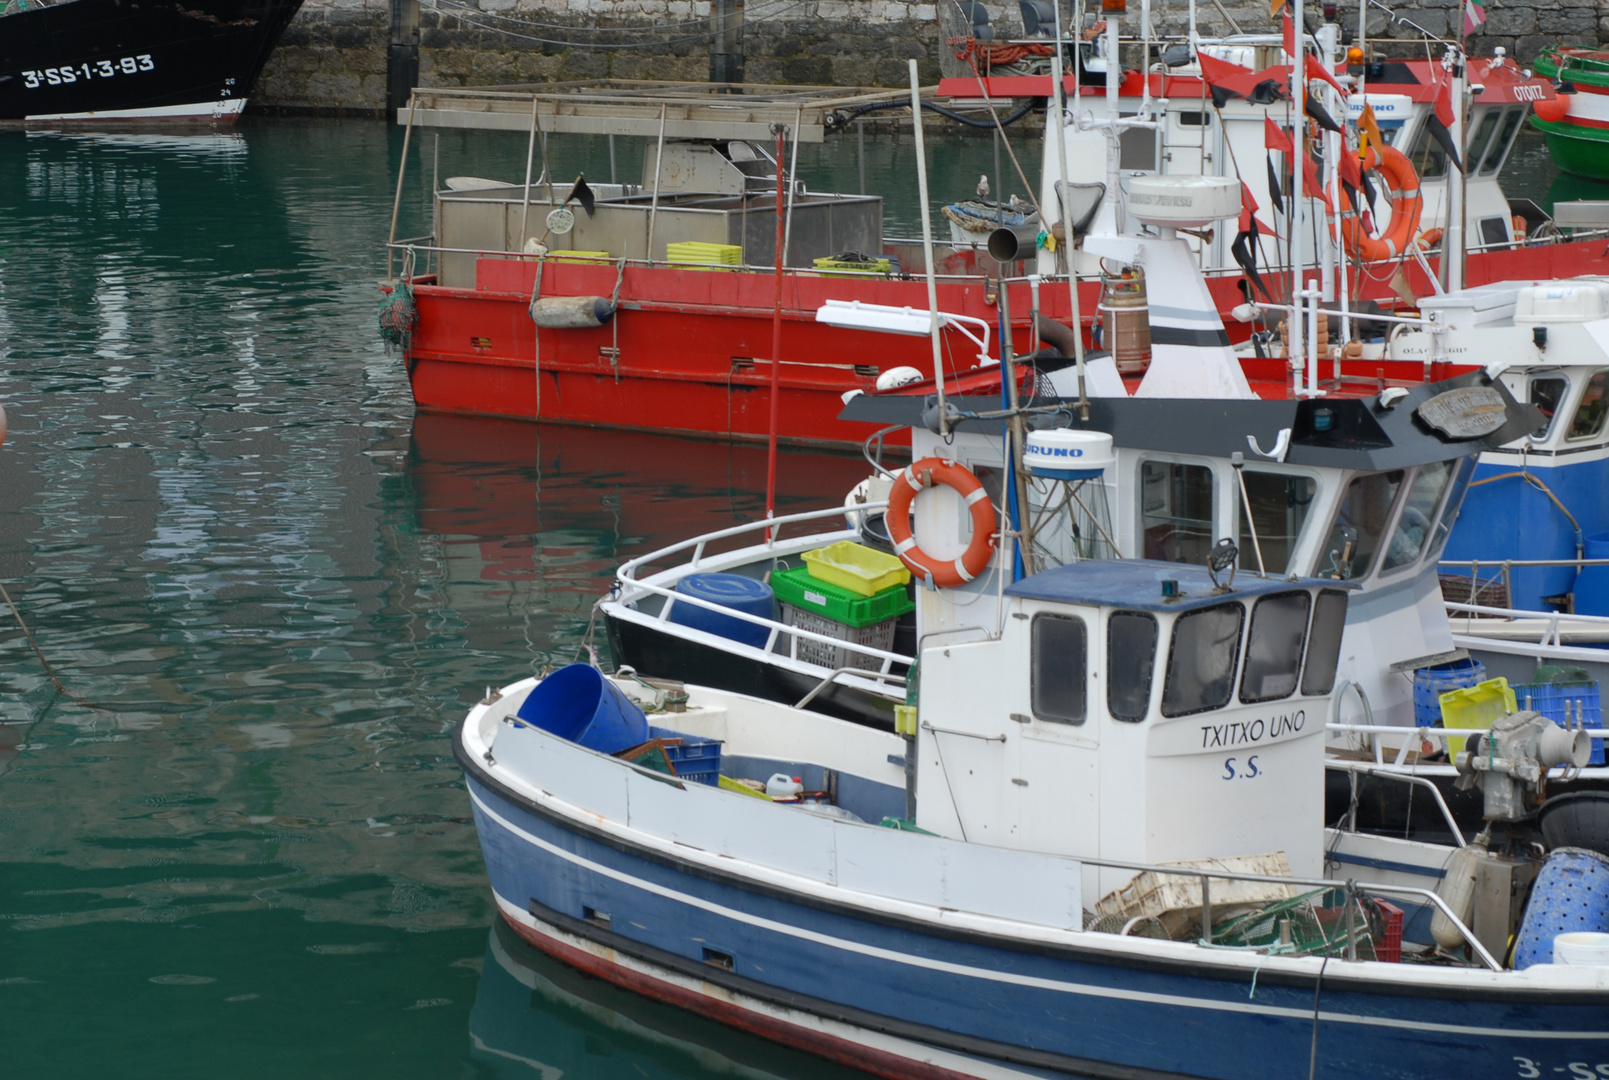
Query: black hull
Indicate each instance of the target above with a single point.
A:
(654, 652)
(136, 60)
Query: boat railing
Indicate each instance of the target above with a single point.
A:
(1355, 769)
(1503, 583)
(418, 246)
(1351, 888)
(629, 587)
(1551, 622)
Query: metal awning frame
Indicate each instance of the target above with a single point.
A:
(633, 107)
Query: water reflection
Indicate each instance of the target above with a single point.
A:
(536, 1019)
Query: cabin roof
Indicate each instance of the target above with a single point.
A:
(1357, 433)
(1136, 584)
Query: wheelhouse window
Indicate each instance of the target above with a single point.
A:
(1279, 503)
(1359, 525)
(1546, 394)
(1496, 152)
(1483, 136)
(1324, 642)
(1201, 660)
(1058, 668)
(1274, 647)
(1176, 510)
(1413, 529)
(1589, 415)
(1429, 160)
(1130, 659)
(1463, 471)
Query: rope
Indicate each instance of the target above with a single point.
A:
(536, 366)
(614, 320)
(50, 671)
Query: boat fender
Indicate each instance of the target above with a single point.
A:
(946, 573)
(571, 312)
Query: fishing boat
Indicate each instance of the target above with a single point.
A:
(1576, 123)
(103, 61)
(935, 907)
(688, 349)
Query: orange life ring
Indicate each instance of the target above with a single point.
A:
(1428, 239)
(924, 474)
(1396, 170)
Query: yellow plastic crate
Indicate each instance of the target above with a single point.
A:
(869, 268)
(860, 569)
(1478, 706)
(580, 256)
(699, 253)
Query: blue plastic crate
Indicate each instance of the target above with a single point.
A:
(1561, 704)
(1432, 682)
(696, 759)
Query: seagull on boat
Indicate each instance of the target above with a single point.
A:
(983, 186)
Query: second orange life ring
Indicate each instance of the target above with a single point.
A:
(926, 473)
(1396, 170)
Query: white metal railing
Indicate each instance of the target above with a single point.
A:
(629, 587)
(1551, 633)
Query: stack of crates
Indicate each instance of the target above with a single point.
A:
(1566, 695)
(848, 592)
(696, 253)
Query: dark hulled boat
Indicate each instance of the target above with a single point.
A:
(135, 60)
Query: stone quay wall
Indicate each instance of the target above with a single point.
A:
(333, 58)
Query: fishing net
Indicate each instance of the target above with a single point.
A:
(399, 316)
(1313, 924)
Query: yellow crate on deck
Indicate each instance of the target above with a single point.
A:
(580, 256)
(699, 253)
(1478, 706)
(860, 569)
(867, 268)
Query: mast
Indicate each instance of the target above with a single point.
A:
(1294, 337)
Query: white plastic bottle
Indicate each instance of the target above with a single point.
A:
(783, 786)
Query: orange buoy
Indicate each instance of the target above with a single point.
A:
(1394, 168)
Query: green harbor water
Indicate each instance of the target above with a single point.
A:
(242, 848)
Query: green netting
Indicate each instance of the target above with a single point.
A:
(1313, 924)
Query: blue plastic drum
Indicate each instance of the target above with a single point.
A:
(732, 591)
(1431, 682)
(1571, 894)
(579, 704)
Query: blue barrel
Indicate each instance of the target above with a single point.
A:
(1592, 583)
(1430, 683)
(1571, 893)
(729, 591)
(579, 704)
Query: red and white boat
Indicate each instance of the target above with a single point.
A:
(689, 348)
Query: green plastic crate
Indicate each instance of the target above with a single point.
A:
(834, 602)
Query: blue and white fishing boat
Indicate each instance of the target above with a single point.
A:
(1141, 742)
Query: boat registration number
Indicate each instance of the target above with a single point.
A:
(1578, 1070)
(100, 69)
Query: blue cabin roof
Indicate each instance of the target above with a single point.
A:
(1136, 584)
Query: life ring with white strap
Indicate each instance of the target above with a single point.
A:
(925, 474)
(1393, 167)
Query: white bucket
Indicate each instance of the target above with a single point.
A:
(1581, 949)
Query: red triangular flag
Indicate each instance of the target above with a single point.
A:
(1289, 26)
(1317, 70)
(1444, 101)
(1312, 188)
(1347, 166)
(1275, 137)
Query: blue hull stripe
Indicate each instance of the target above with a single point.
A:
(1261, 1010)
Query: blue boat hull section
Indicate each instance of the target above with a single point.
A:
(1512, 518)
(1081, 1006)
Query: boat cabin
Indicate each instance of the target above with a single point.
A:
(1136, 711)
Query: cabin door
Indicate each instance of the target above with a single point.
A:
(1057, 774)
